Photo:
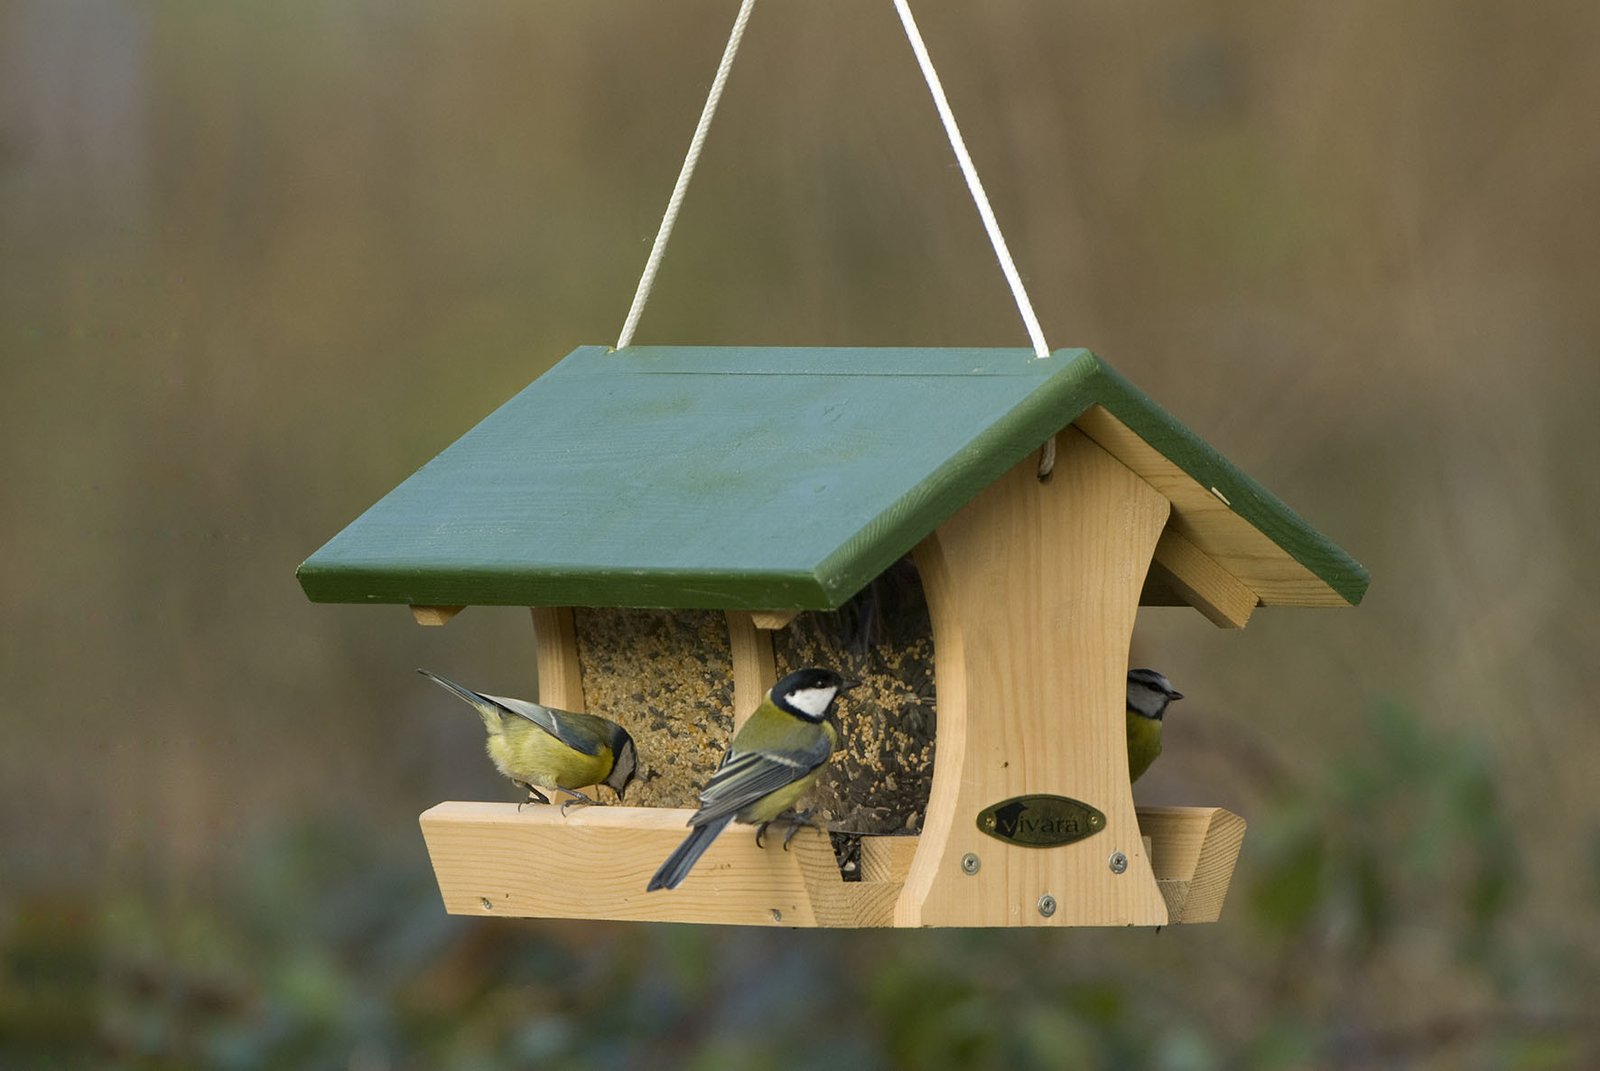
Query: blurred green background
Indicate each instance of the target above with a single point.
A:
(260, 260)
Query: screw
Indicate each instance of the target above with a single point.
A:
(487, 906)
(969, 863)
(1047, 905)
(1095, 821)
(1118, 862)
(777, 916)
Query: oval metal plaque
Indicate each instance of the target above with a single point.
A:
(1040, 821)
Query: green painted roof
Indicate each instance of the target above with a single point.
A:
(742, 478)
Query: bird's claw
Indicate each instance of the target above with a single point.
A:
(534, 796)
(578, 800)
(796, 822)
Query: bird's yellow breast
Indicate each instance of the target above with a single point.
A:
(525, 752)
(776, 802)
(1144, 744)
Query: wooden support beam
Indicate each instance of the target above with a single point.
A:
(754, 667)
(1196, 578)
(556, 646)
(435, 615)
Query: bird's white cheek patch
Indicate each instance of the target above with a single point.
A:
(812, 701)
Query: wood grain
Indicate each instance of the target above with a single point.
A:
(1194, 852)
(494, 859)
(1196, 578)
(1213, 526)
(1033, 588)
(754, 669)
(556, 647)
(435, 615)
(594, 863)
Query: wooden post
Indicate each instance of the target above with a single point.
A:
(754, 668)
(556, 646)
(555, 641)
(1032, 588)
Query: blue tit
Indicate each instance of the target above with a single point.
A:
(1148, 695)
(774, 758)
(540, 747)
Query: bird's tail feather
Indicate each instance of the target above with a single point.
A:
(677, 866)
(488, 710)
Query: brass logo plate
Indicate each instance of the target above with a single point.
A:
(1040, 821)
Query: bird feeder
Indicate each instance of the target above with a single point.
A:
(682, 521)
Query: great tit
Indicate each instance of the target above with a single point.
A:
(540, 747)
(1148, 695)
(774, 758)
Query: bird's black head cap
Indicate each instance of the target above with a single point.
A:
(810, 693)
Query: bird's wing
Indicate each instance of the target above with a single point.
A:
(745, 777)
(554, 722)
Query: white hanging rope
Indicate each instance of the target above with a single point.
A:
(675, 202)
(974, 184)
(1047, 456)
(1019, 293)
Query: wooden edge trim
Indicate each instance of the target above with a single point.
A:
(1193, 852)
(493, 860)
(1224, 599)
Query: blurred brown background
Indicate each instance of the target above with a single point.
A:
(260, 260)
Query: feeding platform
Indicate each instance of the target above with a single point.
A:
(684, 521)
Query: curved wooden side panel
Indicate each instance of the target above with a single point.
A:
(1033, 588)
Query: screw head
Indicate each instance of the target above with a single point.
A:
(1118, 862)
(970, 863)
(487, 906)
(777, 916)
(1047, 905)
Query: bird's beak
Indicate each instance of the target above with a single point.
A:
(847, 685)
(1174, 695)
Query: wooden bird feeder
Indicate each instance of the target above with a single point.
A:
(712, 506)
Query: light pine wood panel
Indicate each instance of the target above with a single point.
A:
(594, 863)
(1033, 588)
(556, 650)
(1209, 522)
(754, 669)
(1224, 599)
(497, 859)
(1194, 852)
(435, 615)
(887, 858)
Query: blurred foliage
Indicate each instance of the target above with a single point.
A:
(260, 260)
(329, 952)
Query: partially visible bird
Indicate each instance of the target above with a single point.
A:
(775, 756)
(539, 747)
(1149, 693)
